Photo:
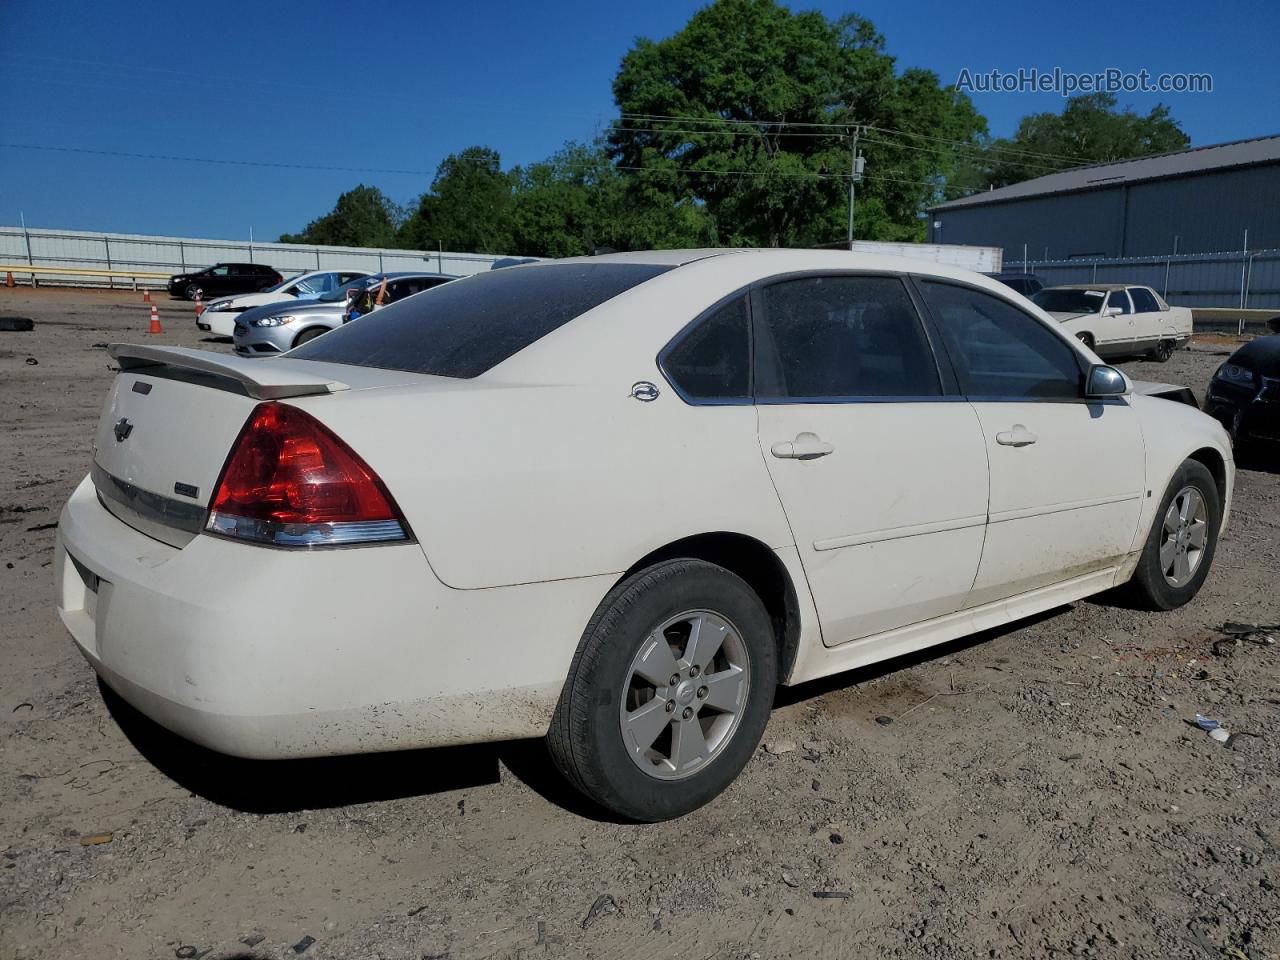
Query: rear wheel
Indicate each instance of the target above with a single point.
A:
(1184, 536)
(1163, 351)
(669, 692)
(308, 335)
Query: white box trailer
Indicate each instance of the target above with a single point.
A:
(977, 259)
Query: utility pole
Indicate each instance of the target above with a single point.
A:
(856, 164)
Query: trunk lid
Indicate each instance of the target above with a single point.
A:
(169, 422)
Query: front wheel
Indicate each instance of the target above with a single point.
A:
(669, 692)
(1086, 339)
(194, 293)
(308, 335)
(1184, 536)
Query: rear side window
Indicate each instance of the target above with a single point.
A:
(832, 338)
(463, 328)
(1144, 301)
(712, 361)
(999, 351)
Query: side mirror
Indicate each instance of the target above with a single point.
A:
(1111, 312)
(1104, 381)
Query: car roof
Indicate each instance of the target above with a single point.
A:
(1097, 286)
(411, 273)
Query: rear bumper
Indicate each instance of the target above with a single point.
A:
(267, 653)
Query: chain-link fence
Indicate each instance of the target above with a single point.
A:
(1240, 279)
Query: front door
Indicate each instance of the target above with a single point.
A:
(883, 478)
(1116, 333)
(1067, 474)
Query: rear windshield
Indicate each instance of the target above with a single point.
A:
(463, 328)
(1059, 300)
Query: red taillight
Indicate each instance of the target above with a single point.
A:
(290, 482)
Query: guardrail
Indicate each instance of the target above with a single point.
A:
(130, 254)
(9, 269)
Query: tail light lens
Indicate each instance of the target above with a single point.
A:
(290, 482)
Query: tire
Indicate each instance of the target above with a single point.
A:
(586, 738)
(1086, 339)
(192, 292)
(1153, 586)
(308, 335)
(1163, 351)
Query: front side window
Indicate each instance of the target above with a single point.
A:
(712, 361)
(1119, 302)
(833, 338)
(999, 351)
(1144, 301)
(221, 270)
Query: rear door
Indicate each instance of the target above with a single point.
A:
(1148, 321)
(1067, 474)
(883, 476)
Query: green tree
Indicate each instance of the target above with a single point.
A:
(363, 217)
(742, 115)
(1090, 129)
(467, 209)
(577, 201)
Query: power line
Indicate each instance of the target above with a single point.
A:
(846, 126)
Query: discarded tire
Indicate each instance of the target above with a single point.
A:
(16, 324)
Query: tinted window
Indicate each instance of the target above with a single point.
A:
(219, 271)
(463, 328)
(998, 350)
(1119, 300)
(838, 337)
(1069, 300)
(712, 361)
(1144, 300)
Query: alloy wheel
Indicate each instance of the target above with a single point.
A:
(1185, 536)
(684, 694)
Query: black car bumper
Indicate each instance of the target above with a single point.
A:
(1246, 413)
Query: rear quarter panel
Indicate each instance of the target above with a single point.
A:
(518, 484)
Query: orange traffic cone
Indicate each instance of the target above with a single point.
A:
(155, 321)
(146, 296)
(199, 305)
(8, 279)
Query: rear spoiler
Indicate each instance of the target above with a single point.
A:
(266, 379)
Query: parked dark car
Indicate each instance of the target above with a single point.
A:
(1025, 283)
(224, 279)
(1244, 394)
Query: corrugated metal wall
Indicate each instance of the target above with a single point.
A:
(75, 248)
(1221, 280)
(1206, 213)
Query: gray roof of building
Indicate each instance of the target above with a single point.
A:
(1221, 156)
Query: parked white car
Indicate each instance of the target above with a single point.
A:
(1115, 319)
(614, 501)
(219, 316)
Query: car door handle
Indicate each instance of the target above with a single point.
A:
(1019, 436)
(806, 446)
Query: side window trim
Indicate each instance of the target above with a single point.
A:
(742, 293)
(932, 324)
(765, 355)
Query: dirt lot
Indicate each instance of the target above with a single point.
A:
(1040, 791)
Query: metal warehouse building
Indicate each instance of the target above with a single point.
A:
(1196, 201)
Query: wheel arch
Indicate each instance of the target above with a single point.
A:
(1216, 464)
(305, 330)
(755, 563)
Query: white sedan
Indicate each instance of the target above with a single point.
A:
(219, 316)
(615, 502)
(1116, 319)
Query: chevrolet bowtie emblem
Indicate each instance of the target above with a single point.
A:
(122, 429)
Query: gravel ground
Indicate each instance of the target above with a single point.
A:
(1040, 791)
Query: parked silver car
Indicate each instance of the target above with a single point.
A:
(270, 330)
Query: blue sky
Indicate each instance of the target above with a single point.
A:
(401, 85)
